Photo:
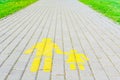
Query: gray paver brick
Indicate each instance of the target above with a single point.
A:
(72, 25)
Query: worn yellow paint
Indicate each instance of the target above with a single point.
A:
(45, 49)
(47, 65)
(72, 66)
(76, 58)
(29, 50)
(35, 65)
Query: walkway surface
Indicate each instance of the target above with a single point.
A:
(71, 25)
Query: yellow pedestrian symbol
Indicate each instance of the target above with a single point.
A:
(44, 50)
(75, 58)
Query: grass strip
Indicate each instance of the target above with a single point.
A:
(110, 8)
(8, 7)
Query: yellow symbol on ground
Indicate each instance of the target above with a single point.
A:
(44, 49)
(75, 58)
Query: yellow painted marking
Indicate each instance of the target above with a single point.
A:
(81, 67)
(47, 65)
(75, 57)
(29, 50)
(45, 49)
(35, 65)
(72, 66)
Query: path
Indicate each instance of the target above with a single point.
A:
(71, 25)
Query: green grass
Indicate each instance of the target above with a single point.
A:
(8, 7)
(110, 8)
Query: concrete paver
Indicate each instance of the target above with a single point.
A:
(72, 26)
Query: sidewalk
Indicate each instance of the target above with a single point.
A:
(71, 25)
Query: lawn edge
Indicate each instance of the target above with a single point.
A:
(4, 17)
(102, 14)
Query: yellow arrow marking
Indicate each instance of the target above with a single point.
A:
(45, 48)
